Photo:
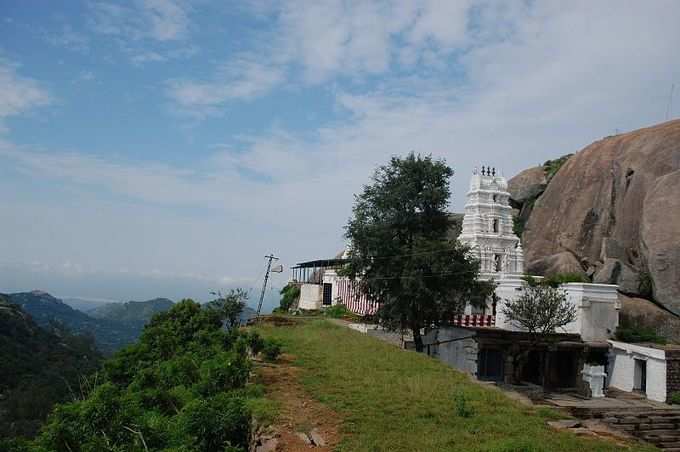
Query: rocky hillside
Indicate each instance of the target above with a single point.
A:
(132, 311)
(611, 212)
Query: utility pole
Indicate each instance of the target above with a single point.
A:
(270, 258)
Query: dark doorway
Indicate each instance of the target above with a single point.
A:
(491, 364)
(640, 376)
(562, 369)
(327, 294)
(533, 367)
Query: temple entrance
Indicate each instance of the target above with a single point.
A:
(640, 376)
(491, 365)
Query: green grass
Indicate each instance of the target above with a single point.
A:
(395, 400)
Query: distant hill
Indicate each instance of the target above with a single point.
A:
(83, 304)
(132, 311)
(47, 310)
(38, 368)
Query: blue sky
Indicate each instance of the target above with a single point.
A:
(163, 147)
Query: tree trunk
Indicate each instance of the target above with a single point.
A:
(417, 339)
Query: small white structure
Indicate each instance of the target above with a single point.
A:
(311, 297)
(595, 377)
(641, 368)
(488, 226)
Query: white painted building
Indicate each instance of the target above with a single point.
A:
(639, 368)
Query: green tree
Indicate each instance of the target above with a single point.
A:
(540, 309)
(230, 306)
(289, 296)
(399, 250)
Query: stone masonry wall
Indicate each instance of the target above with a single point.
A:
(672, 372)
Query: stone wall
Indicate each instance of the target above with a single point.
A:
(672, 372)
(456, 347)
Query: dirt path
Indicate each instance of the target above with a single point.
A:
(300, 416)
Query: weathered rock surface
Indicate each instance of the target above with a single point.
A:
(619, 198)
(647, 314)
(527, 185)
(613, 271)
(564, 262)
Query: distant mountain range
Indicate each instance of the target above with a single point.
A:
(112, 327)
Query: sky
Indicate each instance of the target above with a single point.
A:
(163, 147)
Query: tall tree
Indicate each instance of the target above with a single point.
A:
(400, 251)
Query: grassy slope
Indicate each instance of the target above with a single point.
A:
(394, 400)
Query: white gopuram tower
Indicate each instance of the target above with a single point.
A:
(487, 226)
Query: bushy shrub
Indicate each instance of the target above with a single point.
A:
(674, 398)
(289, 295)
(271, 350)
(254, 341)
(181, 387)
(633, 331)
(337, 311)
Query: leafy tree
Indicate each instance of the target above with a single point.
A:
(540, 309)
(231, 306)
(399, 250)
(289, 295)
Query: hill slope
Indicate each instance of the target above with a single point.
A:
(132, 311)
(46, 309)
(611, 211)
(390, 399)
(38, 366)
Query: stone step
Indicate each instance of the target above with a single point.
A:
(659, 426)
(665, 437)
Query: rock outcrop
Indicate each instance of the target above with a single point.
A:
(611, 212)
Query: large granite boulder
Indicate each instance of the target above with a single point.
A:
(615, 204)
(527, 185)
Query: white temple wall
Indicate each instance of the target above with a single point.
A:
(597, 313)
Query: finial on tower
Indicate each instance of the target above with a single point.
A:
(493, 173)
(483, 171)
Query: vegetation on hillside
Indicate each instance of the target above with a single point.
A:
(400, 252)
(633, 330)
(39, 368)
(289, 296)
(132, 311)
(394, 400)
(109, 335)
(551, 167)
(181, 387)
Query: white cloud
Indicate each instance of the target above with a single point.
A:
(243, 77)
(69, 39)
(160, 20)
(18, 94)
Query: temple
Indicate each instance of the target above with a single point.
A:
(488, 226)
